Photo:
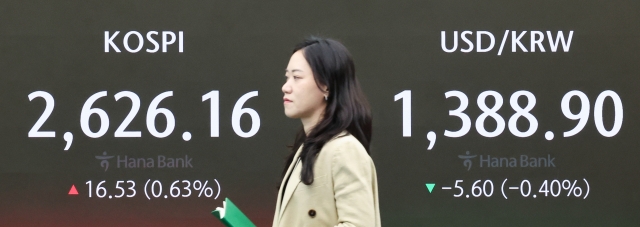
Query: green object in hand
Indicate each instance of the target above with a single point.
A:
(231, 216)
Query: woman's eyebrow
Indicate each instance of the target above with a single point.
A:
(293, 70)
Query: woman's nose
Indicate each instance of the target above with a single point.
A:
(286, 88)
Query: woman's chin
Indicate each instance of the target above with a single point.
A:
(291, 115)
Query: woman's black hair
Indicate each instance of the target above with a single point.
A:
(347, 107)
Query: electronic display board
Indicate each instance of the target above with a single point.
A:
(485, 113)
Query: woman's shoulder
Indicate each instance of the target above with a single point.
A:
(345, 144)
(347, 155)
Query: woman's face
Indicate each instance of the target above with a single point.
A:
(302, 97)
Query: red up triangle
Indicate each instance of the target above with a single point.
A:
(73, 190)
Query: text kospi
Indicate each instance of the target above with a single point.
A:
(134, 42)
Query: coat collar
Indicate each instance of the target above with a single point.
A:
(296, 180)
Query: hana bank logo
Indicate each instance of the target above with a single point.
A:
(104, 160)
(467, 160)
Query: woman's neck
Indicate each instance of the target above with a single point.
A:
(310, 122)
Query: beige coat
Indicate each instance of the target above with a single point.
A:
(344, 191)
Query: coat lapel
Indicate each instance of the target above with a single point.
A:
(291, 187)
(288, 192)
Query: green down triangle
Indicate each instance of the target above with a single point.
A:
(430, 186)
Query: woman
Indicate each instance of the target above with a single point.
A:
(329, 178)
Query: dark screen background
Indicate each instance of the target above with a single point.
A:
(237, 47)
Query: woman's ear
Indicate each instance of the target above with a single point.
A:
(325, 90)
